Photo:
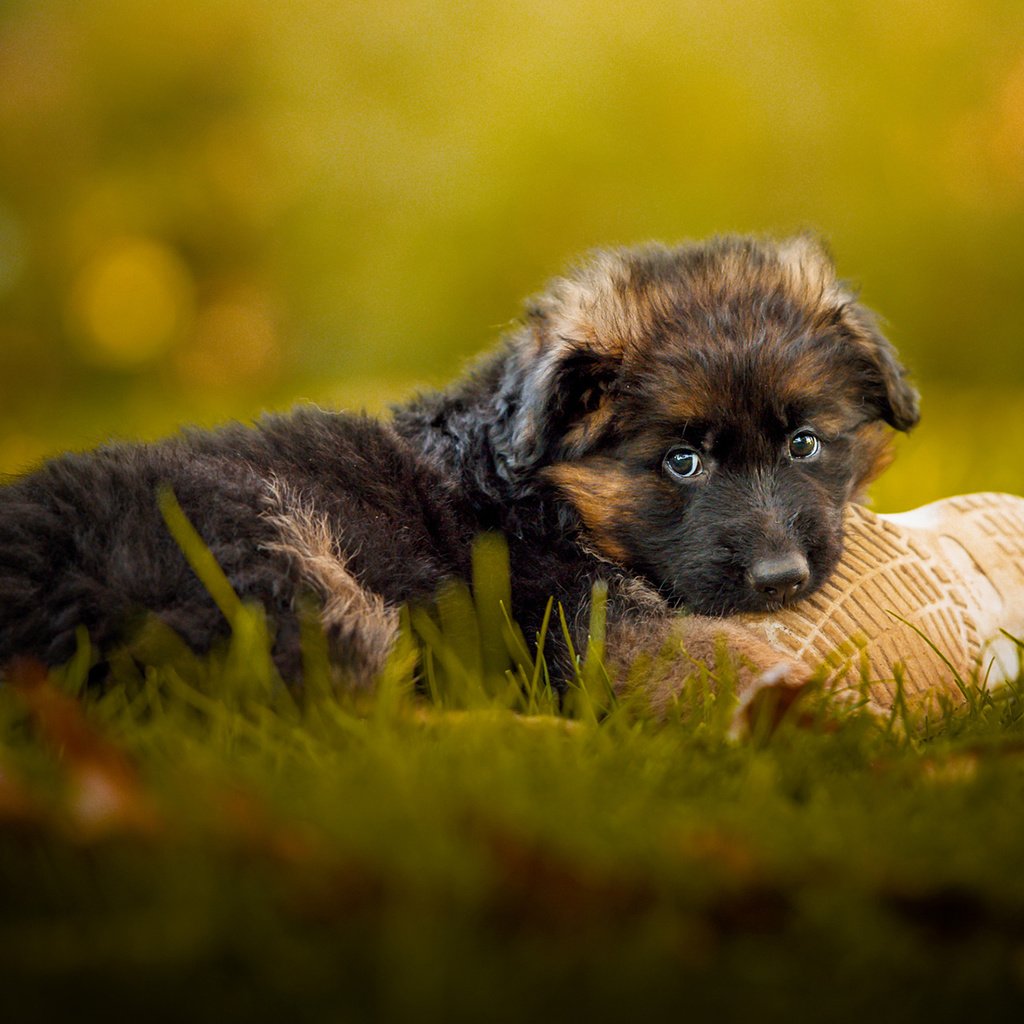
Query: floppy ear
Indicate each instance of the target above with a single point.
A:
(883, 379)
(561, 367)
(563, 407)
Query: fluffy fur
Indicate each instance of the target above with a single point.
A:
(647, 424)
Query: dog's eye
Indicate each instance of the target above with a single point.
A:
(683, 463)
(804, 445)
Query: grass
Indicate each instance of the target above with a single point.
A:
(195, 840)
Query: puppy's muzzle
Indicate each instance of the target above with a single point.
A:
(780, 578)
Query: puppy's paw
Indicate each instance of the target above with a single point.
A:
(716, 649)
(773, 695)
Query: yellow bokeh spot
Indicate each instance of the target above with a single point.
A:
(131, 303)
(234, 343)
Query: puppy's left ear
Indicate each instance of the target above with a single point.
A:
(883, 379)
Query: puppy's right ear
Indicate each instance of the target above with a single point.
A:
(563, 366)
(562, 406)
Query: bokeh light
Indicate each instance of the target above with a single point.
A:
(130, 303)
(234, 344)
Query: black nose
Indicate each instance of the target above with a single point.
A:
(780, 578)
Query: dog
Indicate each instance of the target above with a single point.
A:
(682, 423)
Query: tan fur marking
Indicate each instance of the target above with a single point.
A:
(875, 440)
(601, 307)
(686, 406)
(810, 274)
(356, 617)
(603, 495)
(590, 425)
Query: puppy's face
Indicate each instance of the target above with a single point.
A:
(707, 411)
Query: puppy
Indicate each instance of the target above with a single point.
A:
(685, 424)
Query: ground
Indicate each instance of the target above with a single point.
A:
(194, 839)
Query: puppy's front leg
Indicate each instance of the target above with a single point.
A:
(658, 652)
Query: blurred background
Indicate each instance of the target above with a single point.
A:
(208, 209)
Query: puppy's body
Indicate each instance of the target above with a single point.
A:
(685, 424)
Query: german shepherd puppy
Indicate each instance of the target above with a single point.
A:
(685, 424)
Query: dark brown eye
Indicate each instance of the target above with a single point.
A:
(804, 444)
(683, 463)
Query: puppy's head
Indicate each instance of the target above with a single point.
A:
(707, 411)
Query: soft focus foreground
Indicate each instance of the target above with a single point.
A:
(195, 838)
(196, 842)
